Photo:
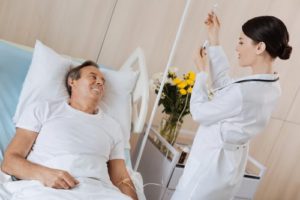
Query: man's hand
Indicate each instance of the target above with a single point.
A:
(58, 179)
(16, 164)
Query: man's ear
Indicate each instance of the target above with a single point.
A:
(260, 48)
(71, 82)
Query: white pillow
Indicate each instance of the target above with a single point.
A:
(117, 100)
(45, 81)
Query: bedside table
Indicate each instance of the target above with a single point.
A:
(156, 168)
(177, 172)
(161, 174)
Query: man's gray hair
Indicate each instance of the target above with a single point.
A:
(74, 73)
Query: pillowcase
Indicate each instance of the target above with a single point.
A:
(117, 99)
(45, 81)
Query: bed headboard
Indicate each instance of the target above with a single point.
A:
(14, 63)
(141, 91)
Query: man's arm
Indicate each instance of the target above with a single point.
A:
(16, 164)
(120, 177)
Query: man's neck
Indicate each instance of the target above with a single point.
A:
(90, 107)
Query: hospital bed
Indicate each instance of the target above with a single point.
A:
(15, 60)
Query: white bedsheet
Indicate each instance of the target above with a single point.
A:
(87, 189)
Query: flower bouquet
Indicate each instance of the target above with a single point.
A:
(175, 99)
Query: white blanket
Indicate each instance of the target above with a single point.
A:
(87, 189)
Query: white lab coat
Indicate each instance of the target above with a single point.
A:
(234, 115)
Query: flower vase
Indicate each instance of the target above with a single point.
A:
(169, 129)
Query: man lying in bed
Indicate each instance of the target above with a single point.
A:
(72, 145)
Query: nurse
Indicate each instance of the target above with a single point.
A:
(237, 111)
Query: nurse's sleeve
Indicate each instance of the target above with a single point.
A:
(222, 106)
(219, 66)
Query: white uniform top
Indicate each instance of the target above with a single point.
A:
(234, 115)
(72, 140)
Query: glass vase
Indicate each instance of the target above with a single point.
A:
(169, 128)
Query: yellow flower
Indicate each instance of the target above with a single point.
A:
(191, 75)
(190, 82)
(190, 90)
(183, 91)
(176, 81)
(182, 85)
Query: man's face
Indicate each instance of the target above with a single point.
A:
(90, 84)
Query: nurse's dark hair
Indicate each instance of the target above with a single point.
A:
(273, 32)
(74, 73)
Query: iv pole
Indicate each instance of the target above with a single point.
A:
(171, 55)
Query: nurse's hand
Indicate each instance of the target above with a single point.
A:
(213, 28)
(201, 60)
